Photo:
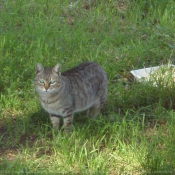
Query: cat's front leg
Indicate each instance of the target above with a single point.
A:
(68, 123)
(55, 122)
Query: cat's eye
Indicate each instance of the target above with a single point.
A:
(52, 81)
(41, 81)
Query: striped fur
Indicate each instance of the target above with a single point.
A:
(83, 87)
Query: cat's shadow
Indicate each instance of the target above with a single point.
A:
(42, 119)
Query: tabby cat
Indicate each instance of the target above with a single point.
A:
(83, 87)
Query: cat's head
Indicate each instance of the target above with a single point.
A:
(47, 79)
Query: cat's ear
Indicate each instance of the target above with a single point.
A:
(38, 68)
(57, 69)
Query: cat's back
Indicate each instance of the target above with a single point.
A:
(87, 69)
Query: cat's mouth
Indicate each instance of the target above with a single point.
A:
(45, 90)
(48, 90)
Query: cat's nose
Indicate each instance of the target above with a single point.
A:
(46, 86)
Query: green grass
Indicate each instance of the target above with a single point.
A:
(121, 36)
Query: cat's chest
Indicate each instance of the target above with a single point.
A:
(53, 106)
